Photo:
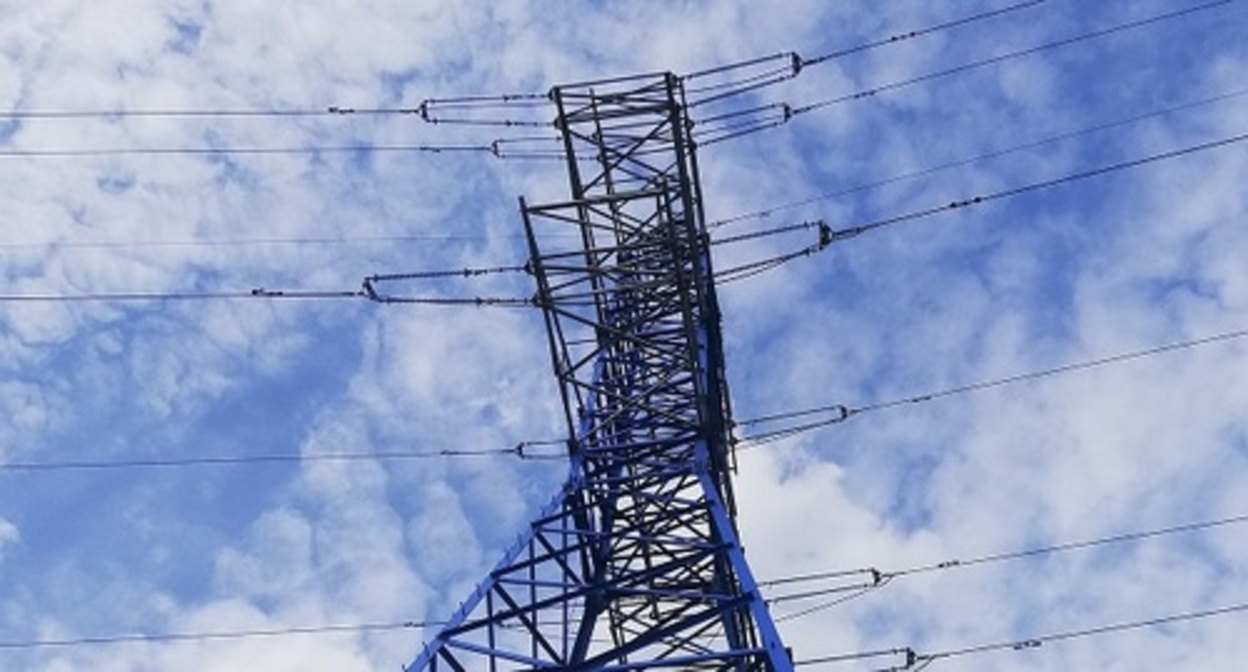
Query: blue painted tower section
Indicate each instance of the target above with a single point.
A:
(636, 564)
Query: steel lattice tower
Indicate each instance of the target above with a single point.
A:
(636, 563)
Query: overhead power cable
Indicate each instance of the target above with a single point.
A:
(67, 244)
(64, 244)
(827, 236)
(523, 450)
(958, 163)
(939, 74)
(470, 272)
(912, 660)
(260, 113)
(761, 72)
(754, 268)
(257, 293)
(231, 460)
(369, 291)
(267, 295)
(53, 153)
(841, 412)
(769, 116)
(908, 35)
(237, 113)
(498, 148)
(854, 583)
(220, 635)
(758, 214)
(1036, 186)
(710, 130)
(217, 635)
(741, 77)
(429, 107)
(433, 110)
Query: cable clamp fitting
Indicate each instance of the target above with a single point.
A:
(369, 291)
(825, 235)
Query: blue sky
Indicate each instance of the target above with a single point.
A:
(1126, 261)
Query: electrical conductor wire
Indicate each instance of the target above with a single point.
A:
(215, 635)
(842, 412)
(869, 579)
(931, 170)
(1139, 23)
(916, 660)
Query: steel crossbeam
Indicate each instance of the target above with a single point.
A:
(636, 564)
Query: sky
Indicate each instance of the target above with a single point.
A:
(1092, 268)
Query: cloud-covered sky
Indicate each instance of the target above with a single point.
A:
(1123, 262)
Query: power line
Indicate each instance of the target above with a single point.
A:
(369, 287)
(236, 113)
(788, 65)
(469, 272)
(841, 412)
(426, 108)
(867, 93)
(354, 240)
(433, 110)
(217, 635)
(758, 214)
(267, 294)
(914, 660)
(258, 293)
(940, 27)
(859, 582)
(827, 236)
(750, 121)
(232, 460)
(1018, 644)
(220, 635)
(221, 151)
(931, 170)
(1036, 186)
(369, 291)
(240, 113)
(772, 115)
(245, 242)
(1182, 528)
(523, 450)
(754, 268)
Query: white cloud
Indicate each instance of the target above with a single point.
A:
(1128, 261)
(9, 536)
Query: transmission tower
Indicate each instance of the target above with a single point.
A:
(636, 563)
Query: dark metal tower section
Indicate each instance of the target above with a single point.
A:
(636, 564)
